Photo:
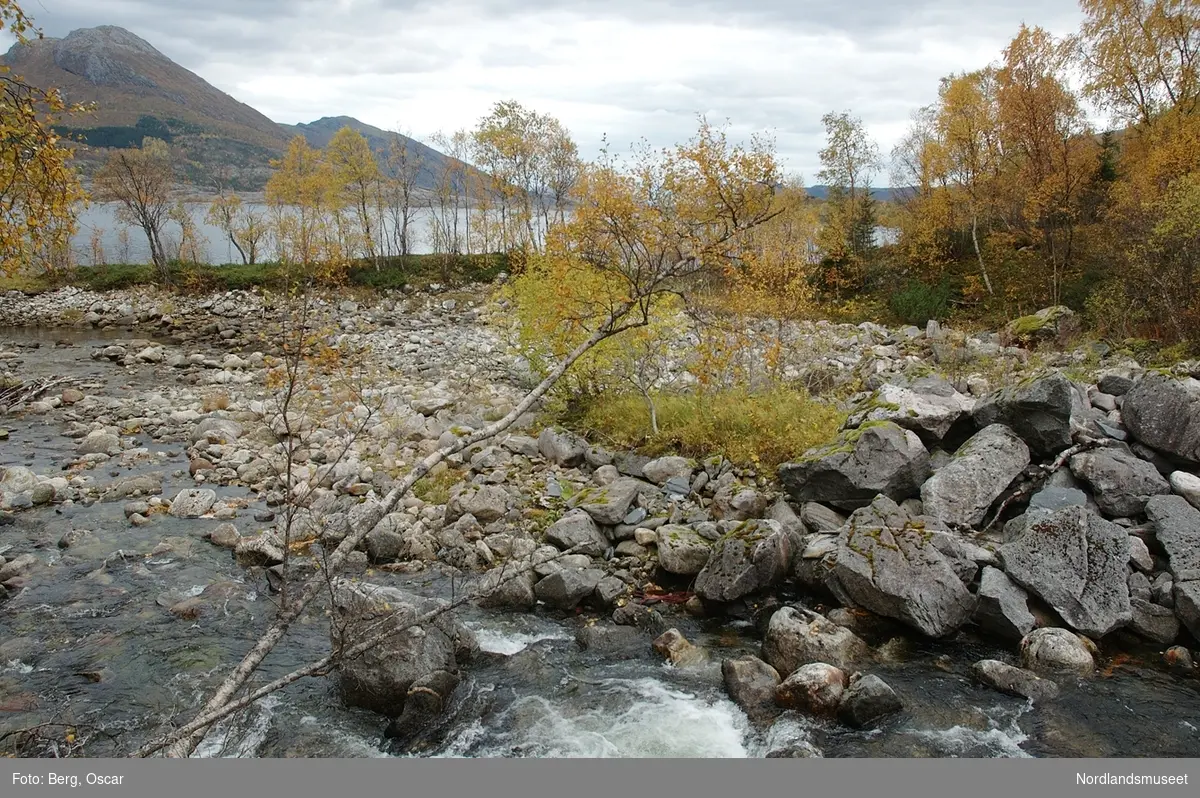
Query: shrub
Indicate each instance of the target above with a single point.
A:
(919, 302)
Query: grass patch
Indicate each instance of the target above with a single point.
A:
(762, 429)
(435, 489)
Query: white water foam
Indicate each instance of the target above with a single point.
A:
(217, 742)
(649, 719)
(18, 666)
(1002, 738)
(501, 641)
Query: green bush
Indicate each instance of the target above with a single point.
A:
(919, 302)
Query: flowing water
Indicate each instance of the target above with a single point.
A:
(89, 645)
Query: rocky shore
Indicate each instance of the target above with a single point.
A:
(1046, 499)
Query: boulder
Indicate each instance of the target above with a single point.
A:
(1187, 605)
(193, 502)
(961, 491)
(1038, 410)
(379, 679)
(1003, 607)
(486, 502)
(1074, 561)
(577, 528)
(1014, 681)
(217, 430)
(567, 587)
(16, 480)
(888, 564)
(1162, 413)
(867, 700)
(1177, 528)
(879, 458)
(503, 588)
(100, 442)
(819, 518)
(1121, 482)
(681, 550)
(751, 684)
(1187, 485)
(753, 557)
(815, 688)
(1055, 649)
(676, 648)
(662, 469)
(1154, 622)
(929, 415)
(563, 448)
(797, 637)
(608, 505)
(1048, 324)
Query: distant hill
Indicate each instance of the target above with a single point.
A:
(140, 92)
(882, 194)
(318, 134)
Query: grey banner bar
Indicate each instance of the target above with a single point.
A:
(827, 778)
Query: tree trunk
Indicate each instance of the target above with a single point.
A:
(987, 282)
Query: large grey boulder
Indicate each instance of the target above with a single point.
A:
(379, 678)
(193, 502)
(1054, 649)
(881, 458)
(1187, 485)
(681, 549)
(867, 700)
(1162, 413)
(1038, 410)
(662, 469)
(1154, 622)
(751, 683)
(566, 587)
(1075, 561)
(608, 505)
(1003, 607)
(815, 688)
(1121, 482)
(1177, 528)
(797, 637)
(1187, 605)
(503, 587)
(887, 563)
(565, 448)
(100, 442)
(753, 557)
(577, 528)
(930, 415)
(961, 491)
(486, 502)
(217, 430)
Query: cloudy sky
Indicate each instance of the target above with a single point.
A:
(625, 68)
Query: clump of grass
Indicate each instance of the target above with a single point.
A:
(215, 401)
(761, 429)
(435, 488)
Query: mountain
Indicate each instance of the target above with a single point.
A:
(881, 194)
(137, 92)
(318, 134)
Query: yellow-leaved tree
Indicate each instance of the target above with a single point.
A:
(39, 187)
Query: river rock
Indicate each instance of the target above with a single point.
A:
(1177, 528)
(796, 637)
(929, 415)
(1187, 485)
(562, 447)
(608, 505)
(888, 564)
(1162, 413)
(1014, 681)
(640, 616)
(100, 442)
(755, 556)
(1048, 324)
(681, 549)
(819, 518)
(425, 701)
(662, 469)
(1187, 605)
(815, 688)
(751, 683)
(672, 645)
(17, 480)
(567, 587)
(1003, 607)
(1075, 561)
(961, 491)
(1038, 410)
(379, 679)
(262, 550)
(1121, 482)
(503, 588)
(140, 485)
(577, 528)
(217, 430)
(193, 502)
(225, 535)
(878, 459)
(486, 503)
(1154, 622)
(867, 700)
(1055, 649)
